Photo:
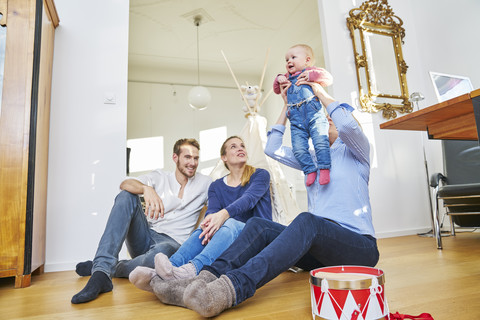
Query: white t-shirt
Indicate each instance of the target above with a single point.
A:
(181, 215)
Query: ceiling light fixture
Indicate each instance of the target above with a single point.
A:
(198, 96)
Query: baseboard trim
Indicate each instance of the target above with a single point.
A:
(402, 233)
(56, 267)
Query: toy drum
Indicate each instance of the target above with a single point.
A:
(348, 293)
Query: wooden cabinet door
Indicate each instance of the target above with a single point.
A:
(24, 127)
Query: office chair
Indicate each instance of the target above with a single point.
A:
(458, 187)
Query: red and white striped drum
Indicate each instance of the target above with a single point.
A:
(348, 293)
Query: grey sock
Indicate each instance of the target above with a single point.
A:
(163, 266)
(207, 276)
(171, 292)
(210, 299)
(141, 277)
(187, 271)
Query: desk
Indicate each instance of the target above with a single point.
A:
(454, 119)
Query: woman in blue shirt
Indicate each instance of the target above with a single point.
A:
(232, 200)
(338, 229)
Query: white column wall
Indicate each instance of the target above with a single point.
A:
(87, 158)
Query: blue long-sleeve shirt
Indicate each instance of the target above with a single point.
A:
(242, 203)
(345, 199)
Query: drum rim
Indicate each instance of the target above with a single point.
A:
(317, 317)
(347, 284)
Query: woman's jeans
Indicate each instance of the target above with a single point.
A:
(127, 222)
(203, 255)
(308, 120)
(265, 249)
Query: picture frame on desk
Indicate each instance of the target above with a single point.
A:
(448, 86)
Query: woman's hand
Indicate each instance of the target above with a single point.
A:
(153, 204)
(282, 79)
(283, 90)
(211, 224)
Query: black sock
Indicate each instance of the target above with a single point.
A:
(122, 270)
(98, 283)
(84, 268)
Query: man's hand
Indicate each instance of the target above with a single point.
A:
(153, 203)
(302, 78)
(211, 224)
(320, 92)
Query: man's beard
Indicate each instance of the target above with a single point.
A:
(183, 170)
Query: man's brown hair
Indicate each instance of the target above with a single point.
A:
(185, 141)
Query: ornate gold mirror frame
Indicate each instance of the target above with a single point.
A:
(3, 12)
(377, 36)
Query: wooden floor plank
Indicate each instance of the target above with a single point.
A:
(419, 278)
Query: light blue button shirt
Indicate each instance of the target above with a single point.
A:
(345, 199)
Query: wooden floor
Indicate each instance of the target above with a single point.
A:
(419, 278)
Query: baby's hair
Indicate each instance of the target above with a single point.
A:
(309, 52)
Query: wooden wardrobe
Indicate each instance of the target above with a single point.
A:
(29, 30)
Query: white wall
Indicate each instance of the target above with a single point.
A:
(443, 40)
(434, 41)
(446, 40)
(87, 137)
(162, 110)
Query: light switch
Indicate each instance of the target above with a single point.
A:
(109, 98)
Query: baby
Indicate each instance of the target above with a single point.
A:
(307, 118)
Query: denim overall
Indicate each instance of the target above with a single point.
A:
(307, 119)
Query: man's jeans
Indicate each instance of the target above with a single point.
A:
(203, 255)
(127, 222)
(265, 249)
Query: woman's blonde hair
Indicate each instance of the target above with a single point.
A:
(248, 171)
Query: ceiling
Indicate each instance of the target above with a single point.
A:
(163, 35)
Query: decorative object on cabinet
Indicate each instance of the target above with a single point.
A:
(449, 86)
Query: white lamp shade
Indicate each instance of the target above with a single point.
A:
(199, 97)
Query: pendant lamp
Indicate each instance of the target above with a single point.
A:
(198, 96)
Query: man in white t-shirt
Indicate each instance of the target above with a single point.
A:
(173, 201)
